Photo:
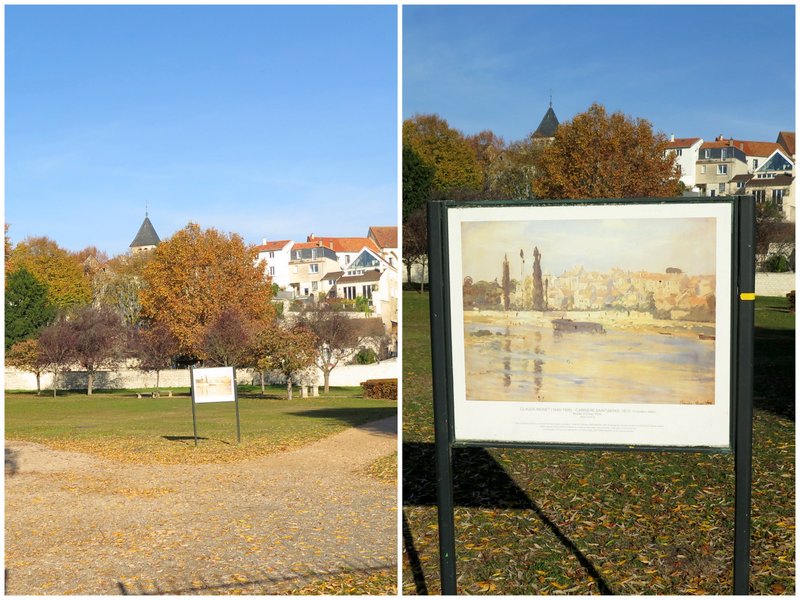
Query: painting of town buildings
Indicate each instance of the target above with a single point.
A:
(590, 311)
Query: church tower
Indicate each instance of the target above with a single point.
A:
(547, 128)
(146, 239)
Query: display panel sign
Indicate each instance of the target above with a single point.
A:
(599, 323)
(213, 384)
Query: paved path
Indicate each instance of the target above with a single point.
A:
(77, 524)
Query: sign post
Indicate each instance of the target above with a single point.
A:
(695, 310)
(214, 384)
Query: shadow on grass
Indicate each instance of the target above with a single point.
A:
(774, 371)
(370, 419)
(413, 559)
(479, 481)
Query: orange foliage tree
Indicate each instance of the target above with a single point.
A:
(60, 271)
(197, 273)
(601, 155)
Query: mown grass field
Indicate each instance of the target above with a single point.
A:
(557, 522)
(120, 426)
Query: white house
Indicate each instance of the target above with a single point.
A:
(687, 152)
(276, 255)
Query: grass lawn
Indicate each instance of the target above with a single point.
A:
(550, 522)
(117, 425)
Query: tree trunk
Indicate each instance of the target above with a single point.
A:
(263, 388)
(55, 382)
(326, 375)
(89, 386)
(38, 384)
(289, 388)
(158, 383)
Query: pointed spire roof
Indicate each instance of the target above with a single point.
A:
(547, 128)
(146, 236)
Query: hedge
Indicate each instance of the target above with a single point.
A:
(381, 389)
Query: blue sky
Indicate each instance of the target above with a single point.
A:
(695, 71)
(271, 122)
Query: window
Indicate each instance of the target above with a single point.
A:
(759, 195)
(272, 255)
(723, 153)
(722, 169)
(721, 188)
(679, 152)
(366, 291)
(314, 286)
(350, 292)
(706, 153)
(777, 197)
(272, 270)
(313, 268)
(755, 163)
(739, 185)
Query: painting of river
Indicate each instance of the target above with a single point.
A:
(522, 358)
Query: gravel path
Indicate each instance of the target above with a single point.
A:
(77, 524)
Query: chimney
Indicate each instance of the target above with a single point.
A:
(263, 241)
(720, 138)
(672, 137)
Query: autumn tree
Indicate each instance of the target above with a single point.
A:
(155, 347)
(338, 337)
(119, 284)
(290, 350)
(415, 243)
(27, 356)
(67, 286)
(193, 276)
(57, 344)
(601, 155)
(27, 307)
(98, 340)
(228, 339)
(445, 149)
(511, 174)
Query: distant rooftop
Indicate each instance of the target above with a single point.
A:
(547, 128)
(146, 236)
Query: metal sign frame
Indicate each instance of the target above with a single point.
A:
(741, 375)
(235, 400)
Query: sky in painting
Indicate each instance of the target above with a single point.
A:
(267, 121)
(692, 71)
(650, 245)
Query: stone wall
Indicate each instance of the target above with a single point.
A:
(345, 375)
(774, 284)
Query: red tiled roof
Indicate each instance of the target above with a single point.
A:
(788, 141)
(272, 246)
(341, 244)
(385, 237)
(682, 142)
(749, 148)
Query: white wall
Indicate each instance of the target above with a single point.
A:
(774, 284)
(345, 375)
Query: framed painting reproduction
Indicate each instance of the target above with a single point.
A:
(601, 323)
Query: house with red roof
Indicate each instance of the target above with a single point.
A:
(686, 152)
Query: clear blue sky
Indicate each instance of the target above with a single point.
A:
(266, 121)
(695, 71)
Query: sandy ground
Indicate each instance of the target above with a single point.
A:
(77, 524)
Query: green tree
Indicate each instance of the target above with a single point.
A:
(196, 274)
(601, 155)
(27, 307)
(61, 272)
(417, 181)
(446, 150)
